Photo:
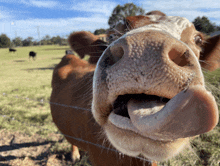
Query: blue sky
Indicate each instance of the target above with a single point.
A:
(22, 18)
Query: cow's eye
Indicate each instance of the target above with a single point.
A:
(198, 40)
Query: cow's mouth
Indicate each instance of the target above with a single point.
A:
(120, 106)
(189, 113)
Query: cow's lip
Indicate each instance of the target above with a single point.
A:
(120, 116)
(191, 112)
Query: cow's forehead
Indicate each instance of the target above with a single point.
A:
(174, 25)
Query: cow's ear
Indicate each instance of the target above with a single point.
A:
(210, 56)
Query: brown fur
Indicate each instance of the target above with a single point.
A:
(129, 23)
(72, 81)
(133, 22)
(86, 43)
(210, 57)
(156, 12)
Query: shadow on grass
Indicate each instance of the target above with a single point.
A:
(19, 61)
(63, 156)
(18, 146)
(23, 145)
(42, 68)
(38, 118)
(56, 48)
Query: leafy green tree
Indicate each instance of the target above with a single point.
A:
(4, 41)
(217, 28)
(35, 43)
(46, 40)
(63, 42)
(204, 25)
(47, 37)
(121, 12)
(56, 40)
(28, 41)
(17, 41)
(100, 31)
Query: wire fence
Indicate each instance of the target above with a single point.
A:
(63, 105)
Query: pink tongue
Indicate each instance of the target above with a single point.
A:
(189, 113)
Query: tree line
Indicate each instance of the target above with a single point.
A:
(202, 24)
(6, 42)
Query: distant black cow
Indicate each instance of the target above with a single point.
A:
(69, 52)
(32, 54)
(12, 50)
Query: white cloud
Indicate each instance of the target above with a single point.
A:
(98, 17)
(8, 1)
(95, 6)
(97, 13)
(40, 3)
(53, 27)
(36, 3)
(179, 5)
(62, 21)
(46, 4)
(189, 9)
(5, 14)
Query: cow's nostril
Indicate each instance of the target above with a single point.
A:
(117, 52)
(178, 57)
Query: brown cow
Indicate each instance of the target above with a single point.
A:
(86, 43)
(148, 94)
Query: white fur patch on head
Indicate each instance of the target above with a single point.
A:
(173, 25)
(154, 18)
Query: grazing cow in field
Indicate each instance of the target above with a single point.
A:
(12, 50)
(32, 54)
(147, 93)
(68, 52)
(86, 43)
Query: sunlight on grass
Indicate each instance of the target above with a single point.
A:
(25, 93)
(26, 88)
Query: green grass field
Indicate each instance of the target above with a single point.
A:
(25, 92)
(27, 79)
